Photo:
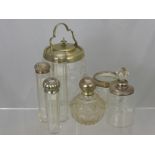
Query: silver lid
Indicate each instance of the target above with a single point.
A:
(87, 86)
(63, 51)
(42, 68)
(51, 85)
(121, 86)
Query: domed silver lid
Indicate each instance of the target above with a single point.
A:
(87, 86)
(63, 51)
(42, 68)
(51, 85)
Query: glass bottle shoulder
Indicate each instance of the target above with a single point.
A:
(94, 99)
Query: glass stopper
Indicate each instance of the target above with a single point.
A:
(122, 74)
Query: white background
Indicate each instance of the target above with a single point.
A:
(108, 44)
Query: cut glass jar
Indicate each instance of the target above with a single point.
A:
(121, 106)
(87, 107)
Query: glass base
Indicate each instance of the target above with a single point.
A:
(25, 121)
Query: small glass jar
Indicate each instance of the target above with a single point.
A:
(121, 107)
(103, 81)
(51, 94)
(42, 70)
(87, 107)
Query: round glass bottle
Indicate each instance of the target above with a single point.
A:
(87, 107)
(121, 106)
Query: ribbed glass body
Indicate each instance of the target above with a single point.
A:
(52, 106)
(76, 71)
(120, 110)
(69, 75)
(87, 109)
(40, 95)
(60, 72)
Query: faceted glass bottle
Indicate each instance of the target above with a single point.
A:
(51, 94)
(42, 70)
(121, 107)
(87, 107)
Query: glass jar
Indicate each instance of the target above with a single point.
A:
(60, 72)
(67, 65)
(51, 96)
(87, 107)
(121, 107)
(76, 71)
(103, 81)
(42, 70)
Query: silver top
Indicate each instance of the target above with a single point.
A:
(42, 68)
(51, 85)
(87, 86)
(63, 51)
(121, 86)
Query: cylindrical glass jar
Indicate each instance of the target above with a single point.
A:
(120, 110)
(51, 94)
(76, 71)
(42, 70)
(121, 107)
(60, 72)
(67, 65)
(103, 81)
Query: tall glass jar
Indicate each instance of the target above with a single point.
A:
(121, 106)
(76, 71)
(67, 65)
(51, 94)
(42, 70)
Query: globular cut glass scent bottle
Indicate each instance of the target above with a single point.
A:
(51, 94)
(121, 106)
(103, 80)
(67, 65)
(42, 70)
(87, 107)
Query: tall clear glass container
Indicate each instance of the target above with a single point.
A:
(87, 107)
(67, 65)
(42, 70)
(103, 81)
(76, 71)
(121, 106)
(60, 72)
(51, 94)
